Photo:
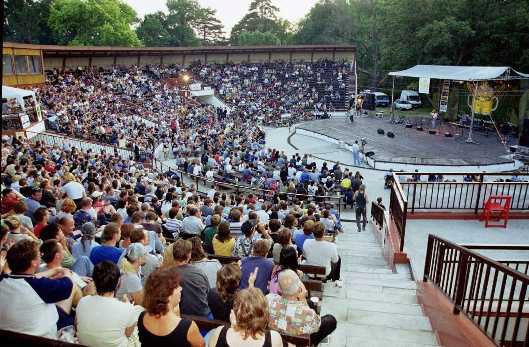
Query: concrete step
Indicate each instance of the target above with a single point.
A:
(364, 260)
(383, 283)
(375, 269)
(389, 320)
(353, 341)
(346, 334)
(341, 307)
(366, 275)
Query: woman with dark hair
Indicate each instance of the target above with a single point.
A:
(249, 319)
(223, 242)
(200, 260)
(161, 325)
(288, 260)
(284, 241)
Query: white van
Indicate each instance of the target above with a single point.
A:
(411, 96)
(381, 99)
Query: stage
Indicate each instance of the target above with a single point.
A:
(412, 149)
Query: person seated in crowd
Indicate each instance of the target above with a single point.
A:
(323, 253)
(73, 189)
(83, 215)
(151, 261)
(33, 202)
(130, 267)
(34, 303)
(288, 260)
(235, 221)
(220, 298)
(53, 231)
(107, 250)
(84, 245)
(172, 223)
(300, 238)
(200, 260)
(16, 230)
(284, 241)
(244, 243)
(258, 261)
(192, 224)
(103, 320)
(40, 220)
(209, 233)
(290, 313)
(328, 222)
(223, 242)
(250, 319)
(161, 324)
(194, 282)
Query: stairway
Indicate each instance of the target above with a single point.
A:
(375, 307)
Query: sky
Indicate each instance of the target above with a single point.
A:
(231, 11)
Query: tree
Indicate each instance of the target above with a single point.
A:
(261, 17)
(256, 38)
(208, 27)
(93, 22)
(152, 30)
(27, 21)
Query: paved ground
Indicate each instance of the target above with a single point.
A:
(464, 232)
(410, 145)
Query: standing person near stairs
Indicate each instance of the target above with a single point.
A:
(360, 200)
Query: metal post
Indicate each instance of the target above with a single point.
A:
(413, 198)
(476, 206)
(428, 259)
(392, 98)
(469, 139)
(461, 282)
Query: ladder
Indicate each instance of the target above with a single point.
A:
(443, 101)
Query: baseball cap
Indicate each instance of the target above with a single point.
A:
(135, 251)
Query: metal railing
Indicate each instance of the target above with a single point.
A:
(514, 251)
(464, 195)
(398, 206)
(492, 295)
(377, 213)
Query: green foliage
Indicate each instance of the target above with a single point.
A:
(256, 38)
(261, 17)
(27, 21)
(152, 30)
(93, 22)
(209, 28)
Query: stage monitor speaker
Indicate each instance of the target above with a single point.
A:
(380, 131)
(448, 134)
(390, 134)
(524, 133)
(432, 132)
(408, 125)
(419, 128)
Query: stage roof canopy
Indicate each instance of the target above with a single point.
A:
(461, 73)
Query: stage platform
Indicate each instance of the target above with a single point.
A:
(412, 149)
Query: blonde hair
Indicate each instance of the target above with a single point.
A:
(251, 312)
(68, 206)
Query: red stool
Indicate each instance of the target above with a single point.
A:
(497, 207)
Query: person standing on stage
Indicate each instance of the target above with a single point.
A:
(435, 116)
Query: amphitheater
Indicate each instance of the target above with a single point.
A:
(235, 121)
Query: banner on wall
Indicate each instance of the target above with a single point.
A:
(424, 85)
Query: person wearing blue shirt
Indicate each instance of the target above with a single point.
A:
(305, 177)
(259, 261)
(107, 250)
(33, 202)
(300, 238)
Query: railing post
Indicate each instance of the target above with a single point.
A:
(428, 259)
(478, 196)
(461, 281)
(413, 197)
(403, 221)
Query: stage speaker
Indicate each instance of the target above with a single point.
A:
(419, 128)
(369, 154)
(380, 131)
(524, 134)
(448, 134)
(409, 126)
(390, 134)
(432, 132)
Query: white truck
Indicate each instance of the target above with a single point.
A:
(411, 96)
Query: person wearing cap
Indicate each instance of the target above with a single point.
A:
(84, 246)
(290, 313)
(130, 265)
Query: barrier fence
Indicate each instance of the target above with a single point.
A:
(464, 195)
(398, 206)
(377, 213)
(491, 294)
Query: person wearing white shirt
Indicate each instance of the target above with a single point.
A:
(103, 320)
(319, 252)
(73, 189)
(192, 224)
